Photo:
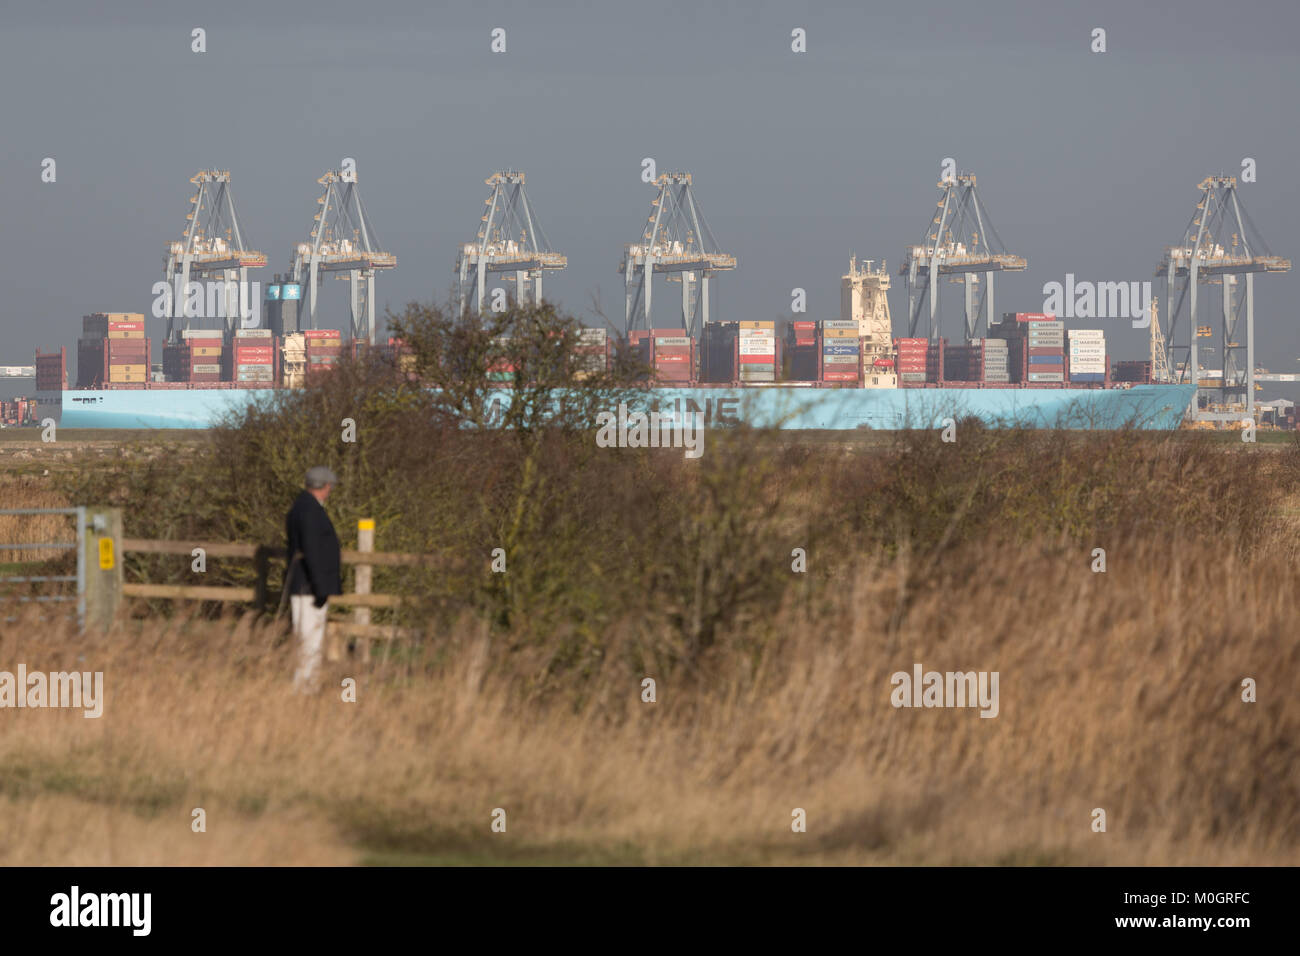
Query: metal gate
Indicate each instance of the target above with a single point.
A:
(59, 579)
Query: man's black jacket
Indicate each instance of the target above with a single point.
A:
(310, 531)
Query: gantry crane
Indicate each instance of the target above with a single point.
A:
(343, 242)
(944, 252)
(1159, 353)
(510, 239)
(211, 248)
(1219, 245)
(677, 242)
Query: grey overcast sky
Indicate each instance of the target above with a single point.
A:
(1088, 163)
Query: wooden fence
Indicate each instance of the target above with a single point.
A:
(263, 596)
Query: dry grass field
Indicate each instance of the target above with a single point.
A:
(1118, 690)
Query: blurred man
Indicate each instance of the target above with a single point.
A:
(313, 573)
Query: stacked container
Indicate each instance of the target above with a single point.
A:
(997, 361)
(52, 371)
(250, 360)
(323, 347)
(592, 353)
(501, 370)
(293, 360)
(981, 360)
(801, 352)
(718, 364)
(1045, 351)
(1131, 371)
(114, 350)
(841, 350)
(756, 348)
(1087, 355)
(20, 411)
(400, 353)
(673, 355)
(197, 357)
(918, 362)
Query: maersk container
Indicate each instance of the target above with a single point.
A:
(1046, 377)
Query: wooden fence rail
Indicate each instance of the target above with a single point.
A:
(362, 600)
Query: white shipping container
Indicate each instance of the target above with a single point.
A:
(206, 369)
(1083, 333)
(673, 340)
(757, 348)
(252, 333)
(839, 324)
(839, 360)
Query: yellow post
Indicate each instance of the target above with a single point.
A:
(361, 615)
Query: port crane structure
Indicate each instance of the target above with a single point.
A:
(677, 242)
(944, 252)
(1220, 246)
(211, 248)
(342, 242)
(510, 240)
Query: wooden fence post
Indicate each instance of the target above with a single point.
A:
(102, 548)
(262, 568)
(361, 615)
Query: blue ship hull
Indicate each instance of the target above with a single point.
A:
(1142, 406)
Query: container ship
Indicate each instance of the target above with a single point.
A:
(834, 374)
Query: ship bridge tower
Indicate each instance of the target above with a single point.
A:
(677, 242)
(960, 243)
(864, 298)
(211, 248)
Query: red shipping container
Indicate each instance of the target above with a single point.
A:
(671, 358)
(1046, 351)
(126, 326)
(248, 354)
(768, 359)
(803, 325)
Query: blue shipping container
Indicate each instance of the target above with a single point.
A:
(840, 350)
